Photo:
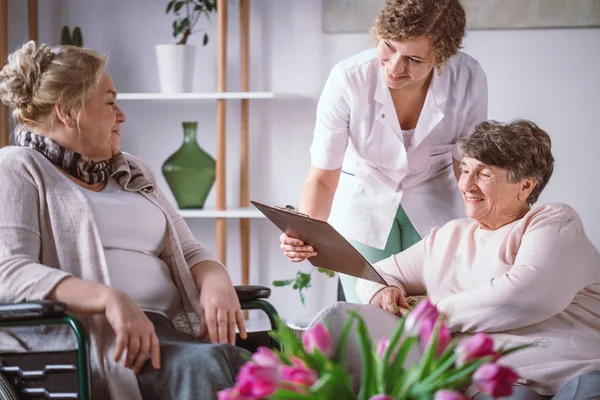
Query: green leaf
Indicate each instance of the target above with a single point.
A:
(327, 272)
(336, 384)
(170, 6)
(178, 6)
(396, 336)
(463, 375)
(178, 30)
(285, 282)
(368, 384)
(303, 280)
(185, 23)
(205, 40)
(396, 374)
(339, 352)
(283, 394)
(436, 375)
(300, 282)
(400, 386)
(507, 351)
(448, 353)
(284, 335)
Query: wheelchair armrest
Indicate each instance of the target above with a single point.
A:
(42, 309)
(252, 292)
(46, 312)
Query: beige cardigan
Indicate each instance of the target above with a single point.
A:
(47, 232)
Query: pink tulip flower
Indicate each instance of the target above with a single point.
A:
(232, 394)
(448, 395)
(425, 310)
(257, 381)
(478, 346)
(298, 361)
(317, 338)
(444, 336)
(265, 357)
(495, 379)
(382, 347)
(298, 375)
(381, 397)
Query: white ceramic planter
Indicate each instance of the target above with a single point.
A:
(175, 67)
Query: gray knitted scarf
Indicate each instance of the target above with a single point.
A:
(84, 169)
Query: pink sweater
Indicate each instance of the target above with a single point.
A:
(535, 280)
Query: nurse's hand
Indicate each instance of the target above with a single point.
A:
(391, 299)
(295, 249)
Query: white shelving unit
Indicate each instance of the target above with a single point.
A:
(205, 96)
(239, 212)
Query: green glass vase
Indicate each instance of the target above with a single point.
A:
(190, 171)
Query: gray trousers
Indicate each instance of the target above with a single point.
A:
(190, 369)
(381, 323)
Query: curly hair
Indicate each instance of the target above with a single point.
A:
(521, 147)
(38, 77)
(442, 21)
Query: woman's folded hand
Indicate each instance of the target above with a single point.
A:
(295, 249)
(391, 299)
(134, 332)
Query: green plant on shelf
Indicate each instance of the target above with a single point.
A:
(71, 39)
(302, 281)
(188, 13)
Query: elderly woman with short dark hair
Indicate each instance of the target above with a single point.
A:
(523, 274)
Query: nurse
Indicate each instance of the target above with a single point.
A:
(384, 156)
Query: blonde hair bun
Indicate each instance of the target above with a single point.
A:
(21, 77)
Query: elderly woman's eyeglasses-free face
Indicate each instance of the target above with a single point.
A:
(490, 198)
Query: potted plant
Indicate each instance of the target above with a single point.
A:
(176, 61)
(312, 368)
(74, 39)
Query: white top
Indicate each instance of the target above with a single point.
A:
(534, 281)
(357, 129)
(133, 234)
(407, 138)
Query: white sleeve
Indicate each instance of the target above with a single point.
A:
(331, 130)
(403, 270)
(478, 109)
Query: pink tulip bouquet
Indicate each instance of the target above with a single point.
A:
(313, 368)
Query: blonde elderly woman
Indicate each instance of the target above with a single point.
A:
(523, 274)
(87, 225)
(384, 155)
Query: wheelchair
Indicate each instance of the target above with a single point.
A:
(67, 374)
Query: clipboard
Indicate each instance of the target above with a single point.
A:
(333, 251)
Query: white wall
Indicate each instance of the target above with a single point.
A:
(549, 76)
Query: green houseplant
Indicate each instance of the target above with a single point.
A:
(176, 62)
(187, 14)
(74, 39)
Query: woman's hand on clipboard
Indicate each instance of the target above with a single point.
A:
(295, 249)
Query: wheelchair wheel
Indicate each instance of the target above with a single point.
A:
(6, 390)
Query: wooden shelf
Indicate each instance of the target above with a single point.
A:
(204, 96)
(248, 212)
